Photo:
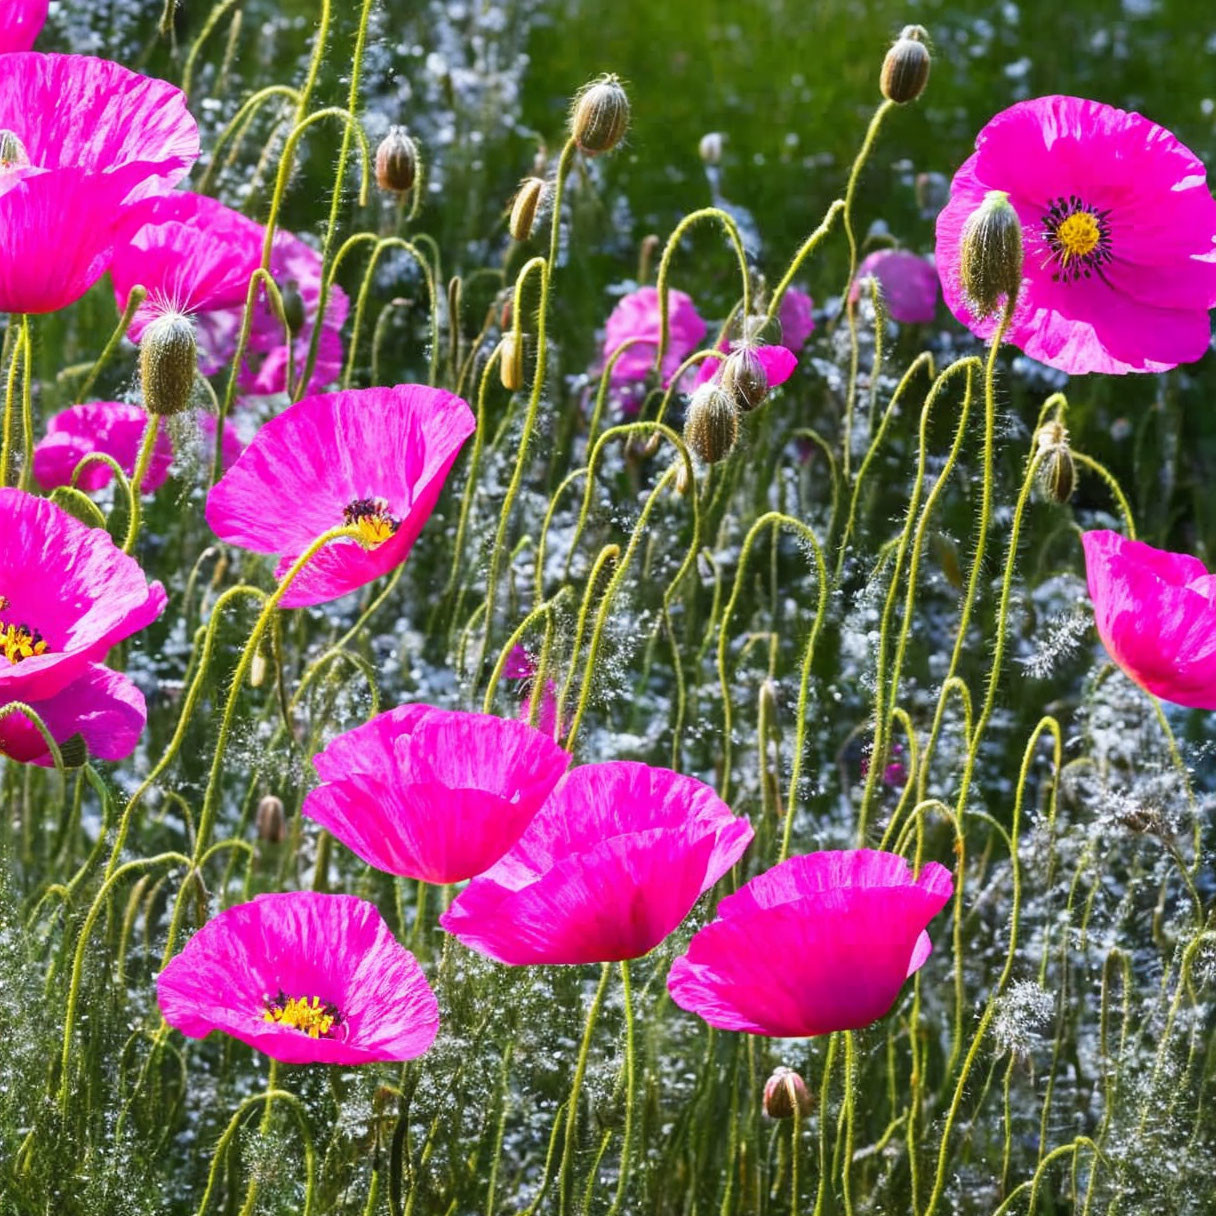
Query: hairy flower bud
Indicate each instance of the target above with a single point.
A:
(905, 70)
(528, 199)
(293, 305)
(784, 1091)
(168, 360)
(74, 751)
(1057, 470)
(396, 161)
(711, 428)
(271, 821)
(599, 117)
(12, 151)
(744, 378)
(511, 362)
(991, 254)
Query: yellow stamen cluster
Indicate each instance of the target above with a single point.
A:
(376, 523)
(315, 1017)
(18, 642)
(1078, 235)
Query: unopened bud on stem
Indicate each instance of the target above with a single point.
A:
(396, 161)
(1057, 470)
(784, 1091)
(600, 116)
(905, 70)
(991, 254)
(511, 362)
(711, 428)
(168, 359)
(744, 378)
(528, 199)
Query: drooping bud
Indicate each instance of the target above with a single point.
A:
(1057, 470)
(905, 70)
(528, 199)
(711, 428)
(991, 254)
(396, 161)
(271, 821)
(511, 362)
(293, 306)
(784, 1091)
(74, 751)
(710, 147)
(168, 360)
(599, 117)
(744, 378)
(12, 151)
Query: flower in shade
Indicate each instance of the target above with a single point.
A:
(305, 978)
(520, 666)
(1156, 616)
(21, 21)
(908, 283)
(637, 316)
(67, 595)
(195, 255)
(116, 429)
(432, 793)
(796, 316)
(1118, 229)
(83, 139)
(374, 459)
(612, 863)
(819, 943)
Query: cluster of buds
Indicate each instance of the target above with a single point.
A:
(1057, 470)
(905, 70)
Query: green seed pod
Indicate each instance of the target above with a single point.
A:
(293, 305)
(784, 1091)
(711, 428)
(991, 249)
(528, 199)
(168, 360)
(1057, 469)
(744, 378)
(12, 151)
(599, 117)
(511, 362)
(396, 161)
(905, 70)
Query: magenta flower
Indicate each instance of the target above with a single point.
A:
(87, 139)
(908, 283)
(67, 595)
(611, 864)
(796, 316)
(1118, 229)
(374, 458)
(305, 978)
(1156, 616)
(637, 316)
(519, 666)
(779, 364)
(432, 793)
(819, 943)
(21, 22)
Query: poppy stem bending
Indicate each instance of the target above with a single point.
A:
(136, 482)
(135, 298)
(19, 364)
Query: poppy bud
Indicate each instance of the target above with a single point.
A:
(396, 161)
(682, 479)
(768, 699)
(784, 1091)
(711, 428)
(991, 254)
(1057, 471)
(528, 199)
(168, 360)
(293, 306)
(600, 116)
(12, 151)
(511, 362)
(74, 751)
(744, 378)
(905, 70)
(257, 669)
(271, 821)
(710, 147)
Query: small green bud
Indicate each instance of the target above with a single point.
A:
(168, 360)
(991, 249)
(1057, 469)
(75, 751)
(599, 117)
(744, 378)
(711, 428)
(293, 306)
(528, 200)
(12, 151)
(396, 161)
(905, 70)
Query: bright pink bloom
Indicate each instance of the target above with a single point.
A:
(819, 943)
(195, 255)
(432, 793)
(111, 427)
(779, 364)
(612, 863)
(1156, 616)
(1119, 233)
(305, 978)
(796, 316)
(96, 138)
(519, 666)
(637, 316)
(908, 283)
(21, 21)
(374, 458)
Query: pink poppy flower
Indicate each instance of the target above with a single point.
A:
(519, 666)
(1118, 229)
(21, 22)
(908, 283)
(305, 978)
(111, 427)
(195, 255)
(819, 943)
(779, 364)
(87, 139)
(432, 793)
(612, 863)
(1156, 616)
(796, 316)
(637, 316)
(374, 458)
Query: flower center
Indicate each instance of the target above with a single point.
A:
(19, 642)
(315, 1017)
(376, 523)
(1078, 238)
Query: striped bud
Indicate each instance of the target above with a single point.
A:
(711, 428)
(905, 70)
(1057, 469)
(600, 116)
(991, 254)
(528, 199)
(744, 378)
(511, 362)
(396, 161)
(168, 360)
(784, 1091)
(271, 821)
